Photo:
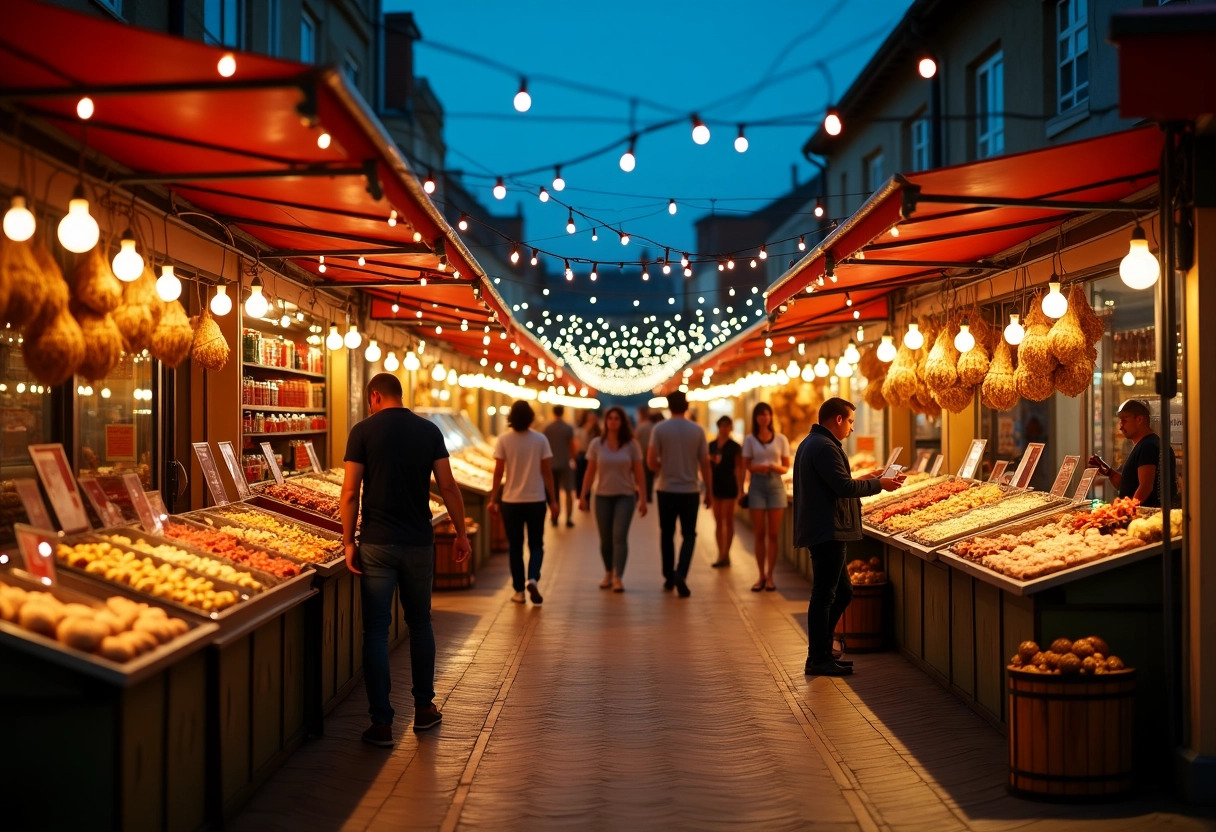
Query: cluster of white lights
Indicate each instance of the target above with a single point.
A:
(582, 402)
(481, 381)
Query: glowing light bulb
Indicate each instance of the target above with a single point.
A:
(411, 361)
(1054, 303)
(78, 231)
(391, 362)
(595, 235)
(353, 339)
(818, 209)
(851, 354)
(964, 341)
(913, 338)
(127, 264)
(886, 350)
(927, 67)
(1138, 269)
(168, 285)
(362, 261)
(221, 304)
(569, 272)
(372, 353)
(1129, 379)
(700, 133)
(808, 372)
(844, 369)
(684, 260)
(428, 184)
(284, 320)
(84, 108)
(514, 256)
(18, 219)
(1014, 333)
(895, 231)
(741, 141)
(523, 101)
(802, 243)
(594, 272)
(334, 339)
(832, 124)
(500, 190)
(256, 305)
(559, 184)
(463, 225)
(628, 160)
(392, 218)
(763, 252)
(534, 259)
(624, 239)
(570, 226)
(822, 370)
(227, 65)
(324, 140)
(671, 206)
(543, 195)
(438, 373)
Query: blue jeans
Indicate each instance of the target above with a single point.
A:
(613, 514)
(411, 570)
(684, 507)
(831, 593)
(515, 518)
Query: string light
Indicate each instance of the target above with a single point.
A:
(221, 303)
(168, 285)
(569, 271)
(428, 184)
(559, 184)
(500, 190)
(763, 252)
(78, 231)
(832, 124)
(372, 354)
(324, 140)
(964, 342)
(84, 108)
(523, 101)
(594, 271)
(595, 235)
(1138, 269)
(534, 259)
(628, 160)
(127, 264)
(624, 239)
(802, 243)
(412, 362)
(741, 141)
(570, 226)
(334, 340)
(543, 196)
(913, 338)
(362, 261)
(684, 260)
(392, 218)
(515, 256)
(927, 67)
(886, 350)
(1014, 332)
(463, 225)
(391, 362)
(700, 133)
(353, 339)
(818, 209)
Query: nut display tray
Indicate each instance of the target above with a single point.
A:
(230, 516)
(1050, 505)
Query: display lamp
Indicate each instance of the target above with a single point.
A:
(964, 341)
(127, 264)
(256, 306)
(78, 231)
(886, 350)
(1054, 303)
(438, 373)
(913, 338)
(1138, 269)
(334, 339)
(221, 304)
(391, 362)
(353, 339)
(18, 219)
(1014, 333)
(851, 354)
(411, 361)
(821, 367)
(372, 353)
(168, 285)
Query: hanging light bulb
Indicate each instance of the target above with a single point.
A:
(595, 235)
(822, 370)
(763, 252)
(1129, 379)
(741, 141)
(453, 378)
(624, 239)
(895, 231)
(913, 338)
(18, 219)
(78, 231)
(886, 350)
(284, 319)
(514, 256)
(353, 339)
(391, 362)
(832, 124)
(523, 101)
(221, 303)
(559, 184)
(753, 263)
(1014, 333)
(543, 195)
(428, 184)
(628, 160)
(396, 307)
(594, 271)
(463, 225)
(851, 354)
(334, 339)
(927, 67)
(730, 264)
(700, 133)
(570, 226)
(168, 285)
(392, 218)
(844, 369)
(84, 108)
(372, 353)
(411, 361)
(964, 341)
(1138, 269)
(324, 140)
(438, 373)
(500, 190)
(257, 305)
(127, 264)
(569, 272)
(1054, 303)
(818, 209)
(362, 261)
(534, 259)
(227, 65)
(684, 260)
(808, 372)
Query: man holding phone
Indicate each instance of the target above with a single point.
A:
(1138, 476)
(827, 514)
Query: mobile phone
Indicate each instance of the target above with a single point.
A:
(892, 471)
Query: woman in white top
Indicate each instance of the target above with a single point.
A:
(766, 456)
(524, 455)
(614, 464)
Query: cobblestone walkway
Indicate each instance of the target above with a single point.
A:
(642, 711)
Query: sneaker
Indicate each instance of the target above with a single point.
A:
(828, 668)
(535, 593)
(380, 734)
(427, 717)
(518, 598)
(681, 588)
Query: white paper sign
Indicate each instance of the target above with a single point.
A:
(922, 461)
(975, 455)
(895, 452)
(1065, 476)
(998, 469)
(268, 452)
(312, 457)
(31, 499)
(107, 512)
(937, 465)
(148, 518)
(1087, 482)
(228, 452)
(51, 462)
(38, 550)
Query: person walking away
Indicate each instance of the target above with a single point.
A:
(645, 427)
(561, 443)
(726, 470)
(614, 465)
(524, 456)
(678, 452)
(588, 429)
(391, 456)
(766, 456)
(1138, 476)
(827, 515)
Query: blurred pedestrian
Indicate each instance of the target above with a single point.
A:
(644, 429)
(678, 453)
(726, 466)
(766, 456)
(562, 444)
(588, 429)
(614, 466)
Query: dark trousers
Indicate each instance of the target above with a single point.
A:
(515, 518)
(831, 593)
(682, 507)
(649, 485)
(410, 571)
(580, 471)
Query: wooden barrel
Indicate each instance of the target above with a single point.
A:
(1071, 737)
(449, 574)
(863, 623)
(498, 534)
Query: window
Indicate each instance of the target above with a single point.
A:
(308, 37)
(989, 107)
(274, 25)
(113, 5)
(1072, 54)
(222, 21)
(874, 171)
(918, 143)
(350, 68)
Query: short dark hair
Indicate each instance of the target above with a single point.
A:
(386, 384)
(521, 416)
(756, 411)
(677, 402)
(625, 435)
(833, 407)
(725, 419)
(559, 410)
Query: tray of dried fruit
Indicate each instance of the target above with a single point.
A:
(912, 483)
(1014, 506)
(937, 502)
(471, 475)
(308, 543)
(1061, 546)
(299, 503)
(85, 628)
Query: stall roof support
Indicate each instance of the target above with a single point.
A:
(367, 169)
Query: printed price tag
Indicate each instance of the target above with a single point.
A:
(148, 518)
(975, 455)
(228, 452)
(268, 452)
(998, 470)
(312, 457)
(158, 505)
(210, 473)
(1087, 482)
(895, 452)
(107, 512)
(56, 474)
(1030, 461)
(38, 550)
(1065, 476)
(31, 499)
(922, 460)
(937, 465)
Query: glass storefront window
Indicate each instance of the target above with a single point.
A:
(115, 417)
(26, 418)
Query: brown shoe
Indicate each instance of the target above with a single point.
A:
(380, 734)
(427, 717)
(534, 593)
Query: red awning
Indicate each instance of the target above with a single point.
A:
(1182, 41)
(245, 149)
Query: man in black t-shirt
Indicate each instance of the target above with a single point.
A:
(392, 454)
(1138, 477)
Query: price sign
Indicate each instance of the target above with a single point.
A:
(312, 457)
(148, 518)
(1087, 481)
(937, 465)
(998, 470)
(52, 465)
(110, 514)
(895, 452)
(922, 460)
(1065, 476)
(158, 505)
(37, 548)
(31, 499)
(975, 454)
(1030, 461)
(268, 452)
(210, 473)
(228, 452)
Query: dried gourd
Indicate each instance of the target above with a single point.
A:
(955, 399)
(54, 353)
(57, 296)
(999, 390)
(973, 364)
(102, 343)
(941, 367)
(1035, 387)
(870, 365)
(1073, 379)
(96, 286)
(173, 336)
(22, 288)
(139, 312)
(1034, 353)
(1068, 342)
(210, 349)
(1092, 325)
(900, 383)
(873, 395)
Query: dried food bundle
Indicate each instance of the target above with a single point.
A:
(900, 383)
(986, 335)
(210, 349)
(871, 366)
(1072, 379)
(102, 343)
(54, 353)
(57, 295)
(955, 398)
(1092, 325)
(173, 336)
(139, 312)
(1034, 353)
(96, 286)
(1068, 342)
(873, 395)
(973, 364)
(999, 390)
(22, 289)
(923, 403)
(1035, 387)
(941, 367)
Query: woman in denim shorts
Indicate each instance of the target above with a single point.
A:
(766, 456)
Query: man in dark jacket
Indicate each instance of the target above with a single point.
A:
(827, 514)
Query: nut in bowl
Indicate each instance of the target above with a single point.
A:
(1088, 656)
(865, 573)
